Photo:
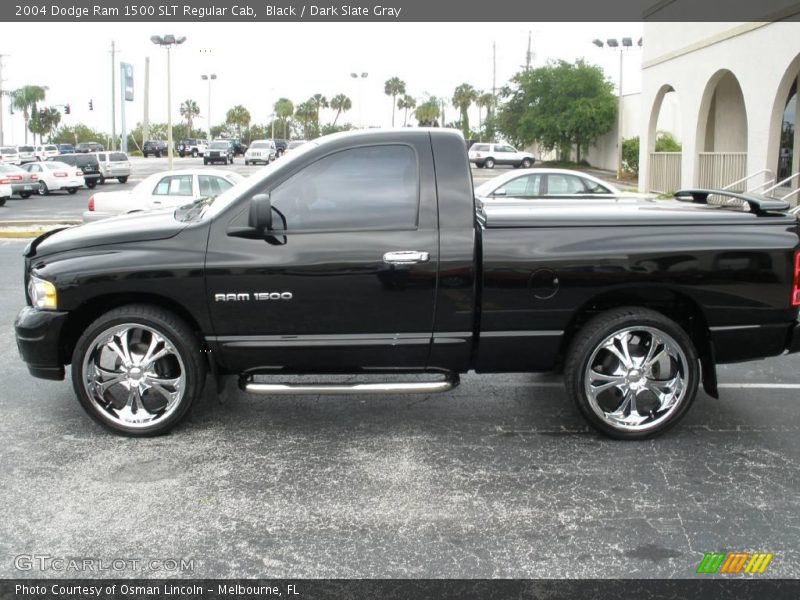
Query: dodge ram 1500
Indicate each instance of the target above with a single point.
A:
(366, 253)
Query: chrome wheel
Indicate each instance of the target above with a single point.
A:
(133, 375)
(636, 378)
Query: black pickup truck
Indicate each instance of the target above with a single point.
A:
(365, 253)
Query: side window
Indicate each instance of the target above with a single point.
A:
(174, 185)
(210, 185)
(363, 188)
(509, 149)
(222, 184)
(523, 187)
(564, 184)
(101, 157)
(595, 188)
(500, 149)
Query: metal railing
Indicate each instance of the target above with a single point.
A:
(732, 185)
(783, 183)
(665, 172)
(719, 169)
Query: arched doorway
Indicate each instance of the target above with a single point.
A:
(787, 151)
(664, 142)
(722, 133)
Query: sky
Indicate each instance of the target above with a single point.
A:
(256, 63)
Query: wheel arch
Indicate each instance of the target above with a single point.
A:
(673, 304)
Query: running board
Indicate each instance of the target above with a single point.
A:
(342, 389)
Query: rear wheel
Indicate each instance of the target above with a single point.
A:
(489, 163)
(205, 162)
(137, 369)
(91, 184)
(72, 190)
(43, 189)
(25, 195)
(102, 180)
(122, 179)
(632, 372)
(3, 201)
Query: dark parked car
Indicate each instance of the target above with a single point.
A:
(280, 146)
(239, 147)
(355, 255)
(219, 151)
(85, 162)
(85, 147)
(65, 148)
(155, 148)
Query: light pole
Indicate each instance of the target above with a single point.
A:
(167, 41)
(210, 77)
(615, 44)
(360, 78)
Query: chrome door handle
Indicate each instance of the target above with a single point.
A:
(405, 257)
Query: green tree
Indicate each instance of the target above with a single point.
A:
(666, 142)
(630, 155)
(189, 110)
(341, 104)
(306, 113)
(25, 99)
(427, 113)
(284, 109)
(485, 100)
(406, 103)
(559, 106)
(463, 96)
(239, 118)
(394, 86)
(43, 122)
(75, 134)
(320, 102)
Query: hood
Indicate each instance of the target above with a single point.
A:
(138, 227)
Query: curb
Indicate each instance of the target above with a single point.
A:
(15, 229)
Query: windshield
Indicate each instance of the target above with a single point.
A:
(256, 145)
(56, 165)
(220, 145)
(26, 148)
(8, 150)
(213, 206)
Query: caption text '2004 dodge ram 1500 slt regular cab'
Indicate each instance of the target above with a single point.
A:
(366, 253)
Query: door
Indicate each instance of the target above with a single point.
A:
(524, 186)
(348, 282)
(172, 190)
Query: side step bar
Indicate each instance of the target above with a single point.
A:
(341, 389)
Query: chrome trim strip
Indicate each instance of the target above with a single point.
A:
(540, 333)
(287, 389)
(732, 327)
(364, 339)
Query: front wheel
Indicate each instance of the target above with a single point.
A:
(632, 372)
(122, 179)
(137, 369)
(489, 163)
(72, 190)
(194, 153)
(25, 195)
(526, 163)
(91, 184)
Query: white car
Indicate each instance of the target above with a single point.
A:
(489, 155)
(113, 165)
(5, 189)
(26, 154)
(547, 184)
(161, 190)
(260, 151)
(54, 176)
(46, 151)
(9, 155)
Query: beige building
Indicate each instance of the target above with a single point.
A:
(733, 87)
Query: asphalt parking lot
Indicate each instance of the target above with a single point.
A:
(60, 205)
(499, 478)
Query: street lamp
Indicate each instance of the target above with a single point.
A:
(360, 77)
(620, 45)
(167, 41)
(211, 77)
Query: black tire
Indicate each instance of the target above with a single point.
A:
(194, 153)
(72, 191)
(526, 163)
(43, 189)
(231, 160)
(478, 165)
(144, 155)
(588, 343)
(102, 180)
(205, 162)
(489, 163)
(169, 326)
(3, 201)
(246, 163)
(123, 179)
(25, 195)
(91, 184)
(158, 154)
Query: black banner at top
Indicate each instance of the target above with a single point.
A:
(395, 10)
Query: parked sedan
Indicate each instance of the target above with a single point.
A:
(161, 190)
(22, 183)
(114, 165)
(54, 175)
(550, 184)
(489, 155)
(9, 155)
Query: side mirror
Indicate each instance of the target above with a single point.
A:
(499, 192)
(260, 213)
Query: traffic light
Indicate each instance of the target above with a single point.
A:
(67, 109)
(91, 106)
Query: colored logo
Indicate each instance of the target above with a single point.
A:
(734, 562)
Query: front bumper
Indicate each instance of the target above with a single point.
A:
(38, 335)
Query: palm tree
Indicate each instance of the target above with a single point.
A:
(305, 112)
(463, 96)
(340, 103)
(427, 112)
(393, 87)
(25, 99)
(485, 100)
(189, 110)
(284, 109)
(239, 117)
(404, 103)
(320, 102)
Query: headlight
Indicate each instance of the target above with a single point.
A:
(42, 293)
